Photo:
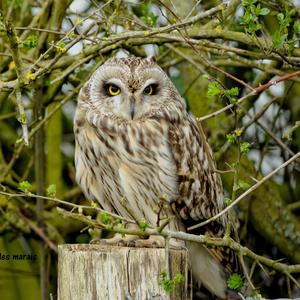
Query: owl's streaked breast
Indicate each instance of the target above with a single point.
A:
(131, 162)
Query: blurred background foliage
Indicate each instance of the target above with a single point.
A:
(49, 48)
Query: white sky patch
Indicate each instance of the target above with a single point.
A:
(257, 72)
(271, 162)
(67, 149)
(66, 25)
(35, 10)
(117, 28)
(161, 13)
(131, 1)
(85, 26)
(151, 50)
(67, 88)
(76, 49)
(239, 12)
(261, 101)
(122, 53)
(100, 35)
(297, 3)
(69, 109)
(265, 61)
(174, 72)
(89, 64)
(273, 157)
(79, 6)
(278, 89)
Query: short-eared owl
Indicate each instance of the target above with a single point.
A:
(136, 141)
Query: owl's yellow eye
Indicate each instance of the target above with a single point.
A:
(150, 89)
(113, 90)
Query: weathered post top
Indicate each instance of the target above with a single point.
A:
(98, 272)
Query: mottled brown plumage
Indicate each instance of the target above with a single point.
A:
(146, 147)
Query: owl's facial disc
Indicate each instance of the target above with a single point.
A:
(129, 99)
(130, 92)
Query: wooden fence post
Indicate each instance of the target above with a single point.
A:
(97, 272)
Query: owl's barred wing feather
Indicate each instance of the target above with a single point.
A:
(200, 188)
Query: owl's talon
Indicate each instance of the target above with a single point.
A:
(132, 243)
(151, 242)
(117, 240)
(96, 241)
(122, 243)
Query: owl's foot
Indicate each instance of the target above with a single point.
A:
(135, 241)
(132, 241)
(152, 242)
(117, 240)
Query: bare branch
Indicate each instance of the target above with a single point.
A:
(250, 190)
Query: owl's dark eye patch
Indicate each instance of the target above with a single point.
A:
(151, 89)
(112, 89)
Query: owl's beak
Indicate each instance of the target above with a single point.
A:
(132, 107)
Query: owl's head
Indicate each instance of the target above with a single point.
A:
(131, 88)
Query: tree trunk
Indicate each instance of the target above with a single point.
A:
(88, 271)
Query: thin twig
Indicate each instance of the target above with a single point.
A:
(73, 205)
(250, 190)
(256, 91)
(39, 232)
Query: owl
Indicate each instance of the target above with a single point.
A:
(140, 154)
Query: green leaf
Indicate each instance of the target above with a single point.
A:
(105, 218)
(144, 7)
(61, 47)
(18, 3)
(178, 278)
(239, 111)
(232, 92)
(284, 20)
(248, 2)
(167, 284)
(143, 225)
(255, 295)
(280, 18)
(227, 201)
(163, 274)
(51, 190)
(235, 282)
(245, 147)
(231, 138)
(153, 19)
(25, 186)
(264, 11)
(233, 100)
(243, 184)
(297, 27)
(30, 42)
(214, 89)
(278, 39)
(22, 118)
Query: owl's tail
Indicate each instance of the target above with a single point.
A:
(207, 270)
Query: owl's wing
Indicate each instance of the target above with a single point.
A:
(200, 187)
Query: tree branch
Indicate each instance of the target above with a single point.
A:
(250, 190)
